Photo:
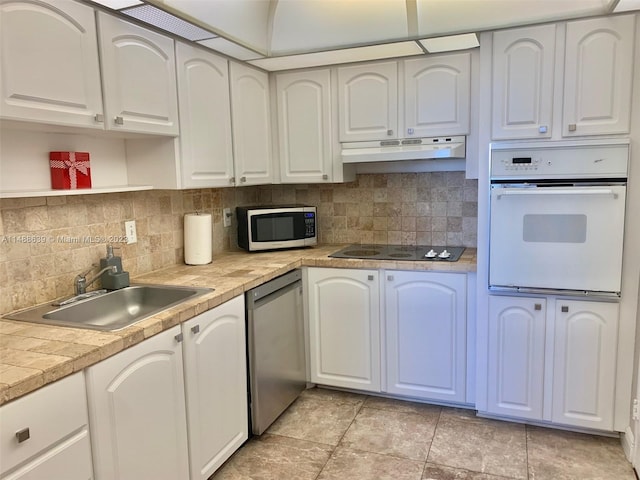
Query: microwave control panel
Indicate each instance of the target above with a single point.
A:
(310, 224)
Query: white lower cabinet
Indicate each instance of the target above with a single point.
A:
(137, 411)
(423, 351)
(516, 356)
(584, 359)
(44, 435)
(141, 425)
(425, 314)
(344, 327)
(216, 386)
(550, 348)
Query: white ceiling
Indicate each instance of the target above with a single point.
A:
(254, 29)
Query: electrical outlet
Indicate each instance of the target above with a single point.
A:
(226, 217)
(130, 231)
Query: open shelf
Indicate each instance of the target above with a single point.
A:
(80, 191)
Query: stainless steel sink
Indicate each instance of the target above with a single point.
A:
(111, 311)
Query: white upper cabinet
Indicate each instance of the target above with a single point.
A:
(598, 76)
(205, 118)
(251, 125)
(49, 71)
(139, 78)
(595, 59)
(304, 126)
(523, 72)
(368, 102)
(437, 93)
(586, 339)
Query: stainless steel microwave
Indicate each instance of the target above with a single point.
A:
(276, 227)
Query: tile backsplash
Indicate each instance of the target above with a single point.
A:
(46, 241)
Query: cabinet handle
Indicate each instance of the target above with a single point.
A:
(119, 121)
(390, 132)
(99, 118)
(390, 278)
(179, 337)
(195, 328)
(243, 179)
(232, 180)
(325, 177)
(564, 309)
(572, 127)
(537, 306)
(23, 435)
(370, 278)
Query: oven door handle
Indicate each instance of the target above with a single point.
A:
(556, 191)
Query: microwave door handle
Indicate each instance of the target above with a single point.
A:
(557, 191)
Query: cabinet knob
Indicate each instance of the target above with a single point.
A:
(23, 435)
(390, 133)
(572, 127)
(390, 278)
(564, 308)
(243, 179)
(232, 180)
(179, 337)
(325, 177)
(410, 131)
(542, 129)
(195, 328)
(537, 306)
(99, 118)
(118, 121)
(370, 278)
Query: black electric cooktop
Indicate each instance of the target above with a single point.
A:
(401, 252)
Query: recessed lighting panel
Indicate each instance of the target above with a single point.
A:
(450, 43)
(168, 22)
(347, 55)
(117, 4)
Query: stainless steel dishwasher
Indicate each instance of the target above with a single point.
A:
(275, 337)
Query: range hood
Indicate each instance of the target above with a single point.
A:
(405, 149)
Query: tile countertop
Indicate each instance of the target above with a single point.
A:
(33, 355)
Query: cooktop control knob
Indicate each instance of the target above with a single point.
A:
(431, 253)
(444, 254)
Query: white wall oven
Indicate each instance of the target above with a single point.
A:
(557, 217)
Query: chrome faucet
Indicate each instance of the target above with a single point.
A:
(80, 283)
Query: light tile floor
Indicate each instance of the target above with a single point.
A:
(332, 435)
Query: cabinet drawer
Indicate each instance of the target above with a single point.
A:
(50, 414)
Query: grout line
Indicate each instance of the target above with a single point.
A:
(526, 448)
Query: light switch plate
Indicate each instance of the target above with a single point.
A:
(226, 217)
(130, 231)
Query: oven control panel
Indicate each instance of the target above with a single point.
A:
(546, 161)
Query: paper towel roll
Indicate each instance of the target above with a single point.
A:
(197, 238)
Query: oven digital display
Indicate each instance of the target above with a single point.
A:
(520, 160)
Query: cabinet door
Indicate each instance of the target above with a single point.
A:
(216, 386)
(49, 63)
(516, 356)
(368, 102)
(139, 78)
(437, 95)
(426, 334)
(523, 74)
(205, 118)
(250, 125)
(304, 126)
(55, 418)
(598, 76)
(344, 328)
(137, 411)
(584, 363)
